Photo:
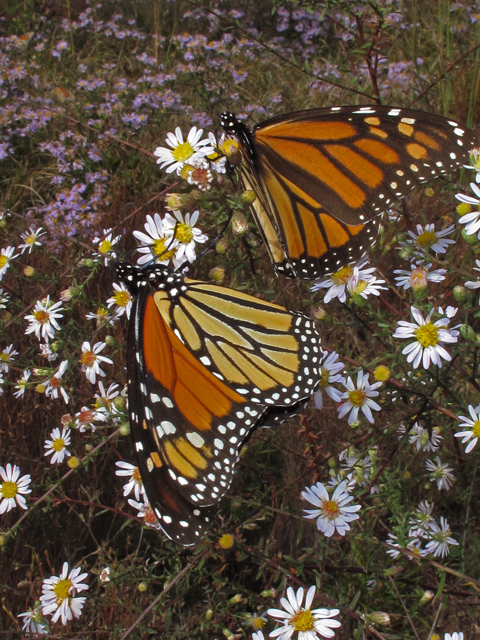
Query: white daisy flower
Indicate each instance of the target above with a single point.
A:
(105, 246)
(421, 520)
(219, 162)
(310, 623)
(34, 621)
(43, 321)
(472, 432)
(474, 157)
(47, 352)
(359, 397)
(102, 317)
(258, 635)
(415, 546)
(6, 256)
(59, 595)
(2, 381)
(4, 299)
(85, 419)
(90, 360)
(198, 174)
(359, 470)
(427, 238)
(7, 356)
(185, 233)
(474, 284)
(329, 374)
(440, 539)
(123, 300)
(341, 476)
(54, 385)
(333, 514)
(180, 152)
(134, 483)
(58, 445)
(30, 239)
(104, 575)
(471, 220)
(13, 488)
(337, 282)
(22, 384)
(430, 337)
(456, 635)
(421, 438)
(418, 277)
(441, 474)
(364, 288)
(104, 400)
(159, 243)
(146, 512)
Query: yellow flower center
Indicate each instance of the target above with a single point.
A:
(159, 248)
(105, 246)
(476, 428)
(357, 397)
(426, 239)
(427, 335)
(382, 373)
(330, 509)
(8, 489)
(342, 275)
(183, 152)
(150, 518)
(30, 239)
(122, 298)
(61, 589)
(361, 286)
(5, 357)
(58, 444)
(258, 623)
(303, 621)
(55, 382)
(324, 378)
(86, 415)
(3, 261)
(88, 359)
(41, 316)
(226, 541)
(136, 476)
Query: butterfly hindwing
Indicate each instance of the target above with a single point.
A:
(206, 366)
(323, 176)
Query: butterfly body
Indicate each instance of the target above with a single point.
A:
(206, 366)
(323, 177)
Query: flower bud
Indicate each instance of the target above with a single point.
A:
(226, 541)
(66, 420)
(471, 238)
(56, 345)
(228, 634)
(407, 475)
(427, 596)
(249, 196)
(239, 223)
(66, 294)
(73, 462)
(110, 341)
(177, 201)
(429, 192)
(463, 208)
(217, 274)
(221, 246)
(230, 148)
(460, 293)
(269, 593)
(120, 403)
(28, 271)
(236, 599)
(208, 615)
(40, 388)
(88, 448)
(142, 586)
(381, 373)
(124, 429)
(87, 262)
(379, 617)
(319, 313)
(468, 333)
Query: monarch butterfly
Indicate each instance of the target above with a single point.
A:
(206, 365)
(323, 176)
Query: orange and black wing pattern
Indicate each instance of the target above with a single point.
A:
(324, 176)
(206, 366)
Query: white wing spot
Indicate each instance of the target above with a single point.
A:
(196, 439)
(168, 427)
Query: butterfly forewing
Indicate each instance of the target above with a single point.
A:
(210, 365)
(323, 175)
